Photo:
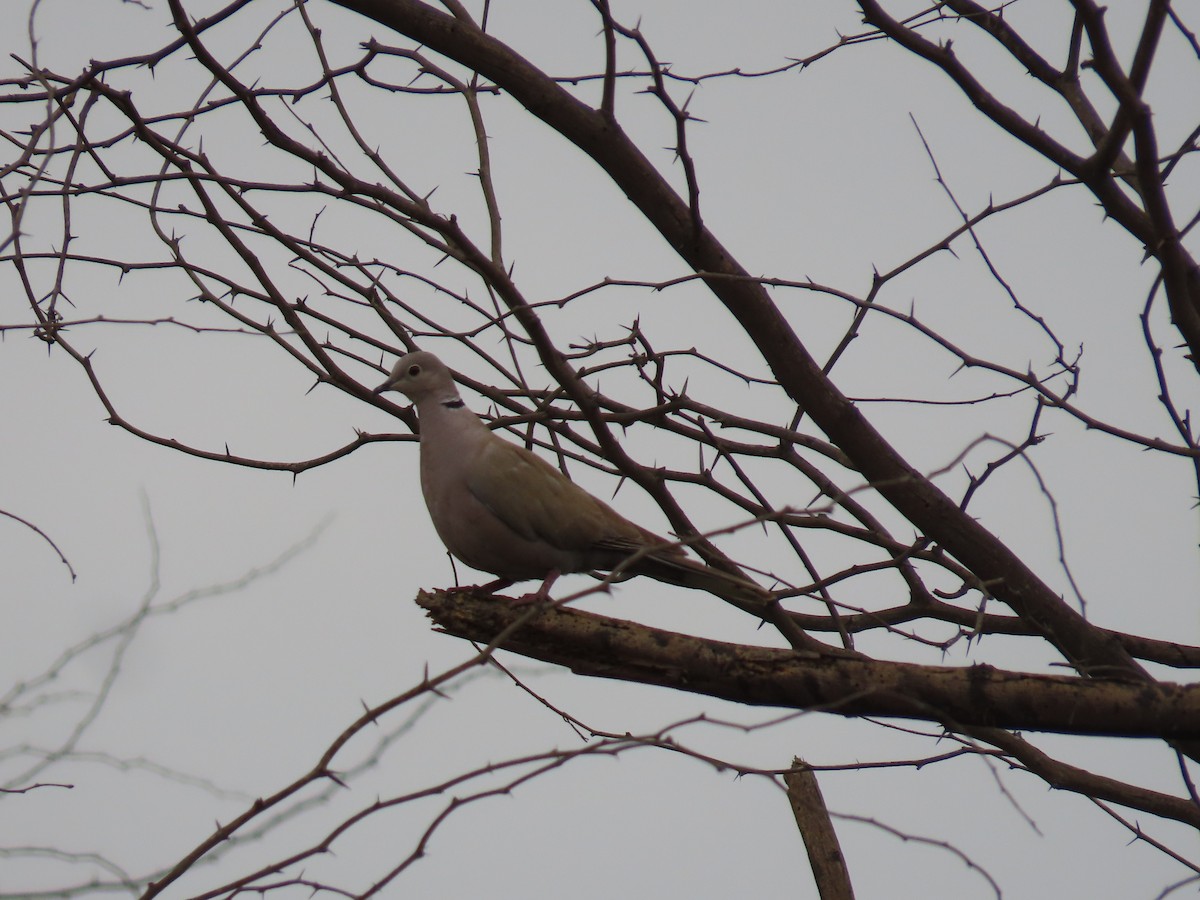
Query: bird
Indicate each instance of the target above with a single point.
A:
(502, 509)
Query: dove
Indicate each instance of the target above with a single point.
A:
(501, 508)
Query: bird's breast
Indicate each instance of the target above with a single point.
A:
(474, 534)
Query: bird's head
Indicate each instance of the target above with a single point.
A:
(420, 376)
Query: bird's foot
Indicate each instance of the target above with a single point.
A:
(542, 594)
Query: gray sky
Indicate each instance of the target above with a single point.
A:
(816, 174)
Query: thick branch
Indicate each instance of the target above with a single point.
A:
(958, 698)
(816, 827)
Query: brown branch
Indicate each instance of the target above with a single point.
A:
(1065, 777)
(45, 537)
(820, 839)
(1167, 653)
(843, 684)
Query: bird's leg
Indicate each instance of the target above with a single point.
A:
(542, 594)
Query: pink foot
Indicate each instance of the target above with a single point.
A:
(542, 594)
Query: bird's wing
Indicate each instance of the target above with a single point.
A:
(539, 503)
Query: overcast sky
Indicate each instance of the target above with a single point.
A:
(818, 174)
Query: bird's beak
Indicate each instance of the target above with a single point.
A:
(386, 386)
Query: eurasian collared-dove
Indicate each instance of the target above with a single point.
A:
(502, 509)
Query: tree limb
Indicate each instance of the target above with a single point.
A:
(841, 683)
(820, 840)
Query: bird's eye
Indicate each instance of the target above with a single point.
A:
(414, 371)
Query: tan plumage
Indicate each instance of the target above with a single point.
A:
(502, 509)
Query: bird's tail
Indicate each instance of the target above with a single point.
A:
(675, 568)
